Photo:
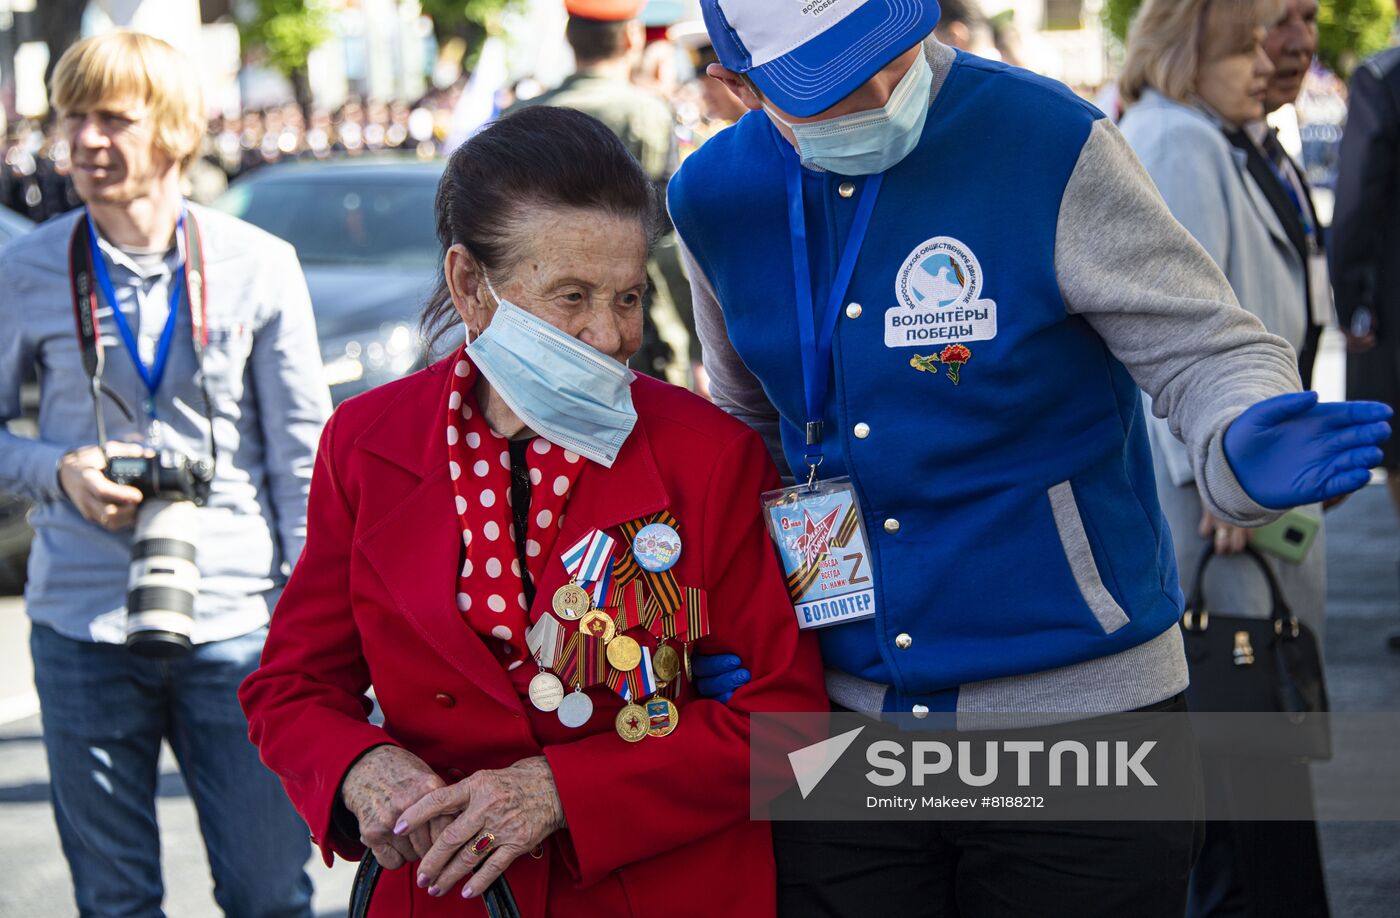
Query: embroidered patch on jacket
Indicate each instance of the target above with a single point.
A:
(938, 292)
(953, 357)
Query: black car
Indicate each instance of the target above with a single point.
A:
(365, 234)
(15, 533)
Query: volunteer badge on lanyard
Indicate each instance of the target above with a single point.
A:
(821, 541)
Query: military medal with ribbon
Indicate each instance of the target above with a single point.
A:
(589, 565)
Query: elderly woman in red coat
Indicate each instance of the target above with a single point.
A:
(518, 548)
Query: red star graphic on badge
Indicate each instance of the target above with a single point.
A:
(816, 537)
(633, 722)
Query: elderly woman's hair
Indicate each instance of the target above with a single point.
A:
(538, 157)
(1171, 39)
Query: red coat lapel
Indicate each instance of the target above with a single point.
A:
(415, 547)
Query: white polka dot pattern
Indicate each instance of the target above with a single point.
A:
(490, 594)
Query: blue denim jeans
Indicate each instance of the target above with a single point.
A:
(105, 712)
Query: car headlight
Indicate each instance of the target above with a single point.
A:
(383, 354)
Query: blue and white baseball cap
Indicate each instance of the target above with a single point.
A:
(807, 55)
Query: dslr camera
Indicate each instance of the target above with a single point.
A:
(163, 579)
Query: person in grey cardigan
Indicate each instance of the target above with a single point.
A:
(1183, 108)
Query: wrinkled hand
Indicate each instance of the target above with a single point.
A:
(81, 473)
(381, 785)
(1292, 450)
(1229, 540)
(719, 675)
(518, 805)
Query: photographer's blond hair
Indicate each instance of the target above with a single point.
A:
(124, 66)
(1171, 39)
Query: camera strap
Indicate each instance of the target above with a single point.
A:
(87, 273)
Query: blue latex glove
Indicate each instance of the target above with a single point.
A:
(718, 676)
(1291, 450)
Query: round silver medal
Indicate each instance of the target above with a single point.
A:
(546, 691)
(575, 710)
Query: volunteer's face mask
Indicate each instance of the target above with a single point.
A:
(864, 143)
(573, 395)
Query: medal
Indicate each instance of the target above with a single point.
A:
(666, 663)
(624, 653)
(599, 624)
(571, 602)
(632, 723)
(662, 717)
(686, 657)
(546, 691)
(575, 710)
(657, 547)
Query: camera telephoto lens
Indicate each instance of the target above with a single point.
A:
(164, 579)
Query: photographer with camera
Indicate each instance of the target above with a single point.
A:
(181, 400)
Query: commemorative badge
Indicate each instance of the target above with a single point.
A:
(624, 653)
(599, 624)
(938, 292)
(826, 560)
(632, 723)
(572, 602)
(662, 717)
(575, 709)
(546, 692)
(666, 663)
(657, 547)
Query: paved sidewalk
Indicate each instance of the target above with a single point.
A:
(36, 883)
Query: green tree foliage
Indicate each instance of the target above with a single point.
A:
(287, 31)
(1348, 30)
(466, 21)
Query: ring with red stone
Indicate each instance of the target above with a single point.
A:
(482, 844)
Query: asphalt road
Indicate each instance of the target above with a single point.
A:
(1362, 858)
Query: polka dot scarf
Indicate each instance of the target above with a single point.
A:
(490, 591)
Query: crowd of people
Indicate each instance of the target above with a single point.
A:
(557, 576)
(35, 165)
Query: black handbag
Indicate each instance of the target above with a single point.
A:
(1255, 665)
(500, 902)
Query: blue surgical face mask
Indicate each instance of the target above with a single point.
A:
(571, 394)
(865, 143)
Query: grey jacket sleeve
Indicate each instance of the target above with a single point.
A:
(292, 397)
(1167, 312)
(28, 468)
(732, 386)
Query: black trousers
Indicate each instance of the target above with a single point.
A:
(986, 869)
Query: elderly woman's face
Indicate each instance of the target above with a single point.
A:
(1236, 85)
(582, 271)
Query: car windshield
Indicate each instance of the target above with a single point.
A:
(357, 220)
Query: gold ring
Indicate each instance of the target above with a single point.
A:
(482, 844)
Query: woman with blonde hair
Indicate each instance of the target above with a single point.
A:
(1196, 71)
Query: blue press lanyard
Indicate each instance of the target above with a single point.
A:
(153, 374)
(815, 343)
(1291, 190)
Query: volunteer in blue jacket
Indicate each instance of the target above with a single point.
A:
(948, 281)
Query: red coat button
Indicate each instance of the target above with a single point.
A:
(444, 700)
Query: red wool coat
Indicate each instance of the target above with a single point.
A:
(659, 827)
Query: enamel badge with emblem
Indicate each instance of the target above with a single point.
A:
(938, 291)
